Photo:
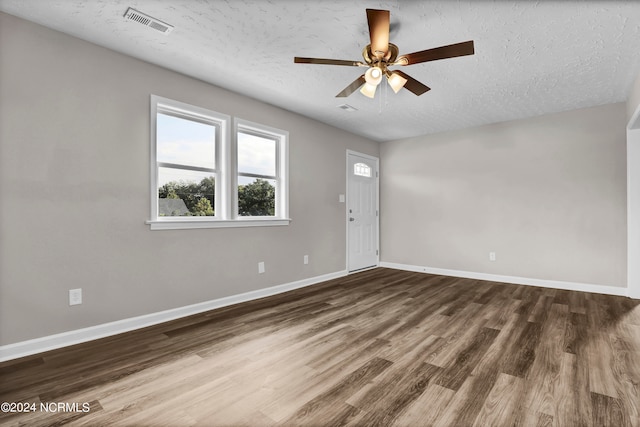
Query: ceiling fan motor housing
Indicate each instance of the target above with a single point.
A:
(388, 59)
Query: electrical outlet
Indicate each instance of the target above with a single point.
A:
(306, 259)
(75, 296)
(492, 256)
(261, 267)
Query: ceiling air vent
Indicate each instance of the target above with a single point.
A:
(141, 18)
(347, 107)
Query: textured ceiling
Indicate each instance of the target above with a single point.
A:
(532, 57)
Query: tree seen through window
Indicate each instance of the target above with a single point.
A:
(190, 198)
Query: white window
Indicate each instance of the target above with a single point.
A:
(203, 176)
(362, 169)
(261, 168)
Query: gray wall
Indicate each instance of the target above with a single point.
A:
(74, 191)
(547, 194)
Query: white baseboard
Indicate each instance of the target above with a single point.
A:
(570, 286)
(51, 342)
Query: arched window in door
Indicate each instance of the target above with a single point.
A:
(362, 169)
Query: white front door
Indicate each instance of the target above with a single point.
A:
(362, 211)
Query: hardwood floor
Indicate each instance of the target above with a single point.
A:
(377, 348)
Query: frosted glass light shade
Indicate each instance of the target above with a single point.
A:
(368, 90)
(373, 76)
(396, 81)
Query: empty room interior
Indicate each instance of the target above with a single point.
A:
(296, 213)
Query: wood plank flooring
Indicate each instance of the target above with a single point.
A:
(377, 348)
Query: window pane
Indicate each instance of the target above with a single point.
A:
(185, 193)
(362, 169)
(256, 197)
(256, 154)
(185, 142)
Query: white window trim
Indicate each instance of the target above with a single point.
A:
(226, 206)
(176, 224)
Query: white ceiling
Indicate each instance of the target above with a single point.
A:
(532, 57)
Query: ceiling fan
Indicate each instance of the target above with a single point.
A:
(380, 55)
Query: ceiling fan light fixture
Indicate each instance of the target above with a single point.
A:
(368, 90)
(396, 81)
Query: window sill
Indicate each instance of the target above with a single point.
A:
(177, 224)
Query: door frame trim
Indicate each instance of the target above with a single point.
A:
(346, 207)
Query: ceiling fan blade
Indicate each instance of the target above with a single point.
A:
(443, 52)
(378, 31)
(299, 60)
(352, 87)
(412, 85)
